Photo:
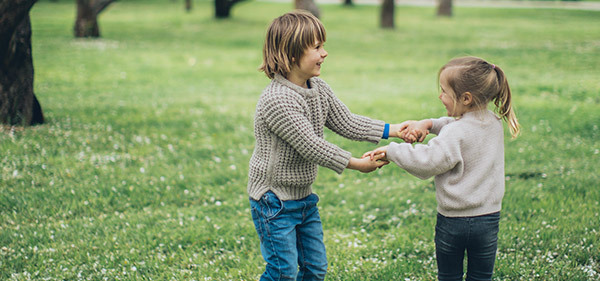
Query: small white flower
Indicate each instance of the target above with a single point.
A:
(142, 170)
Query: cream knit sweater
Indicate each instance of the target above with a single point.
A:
(466, 158)
(288, 127)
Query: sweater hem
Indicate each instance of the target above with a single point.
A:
(470, 212)
(283, 193)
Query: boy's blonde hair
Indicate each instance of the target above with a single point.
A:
(486, 82)
(287, 38)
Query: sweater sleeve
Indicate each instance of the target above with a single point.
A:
(438, 156)
(439, 123)
(284, 116)
(350, 125)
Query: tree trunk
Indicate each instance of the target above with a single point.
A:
(444, 8)
(18, 104)
(308, 5)
(223, 8)
(348, 2)
(86, 23)
(387, 14)
(188, 5)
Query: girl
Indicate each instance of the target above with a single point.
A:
(288, 126)
(467, 160)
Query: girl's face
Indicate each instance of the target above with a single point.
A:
(447, 96)
(310, 62)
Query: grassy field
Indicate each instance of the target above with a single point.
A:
(140, 171)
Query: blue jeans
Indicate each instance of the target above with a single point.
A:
(477, 235)
(291, 237)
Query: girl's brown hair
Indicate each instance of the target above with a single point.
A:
(486, 82)
(287, 38)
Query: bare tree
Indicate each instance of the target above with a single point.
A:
(387, 14)
(188, 5)
(444, 8)
(308, 5)
(86, 23)
(18, 104)
(223, 8)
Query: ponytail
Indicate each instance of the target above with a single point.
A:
(503, 103)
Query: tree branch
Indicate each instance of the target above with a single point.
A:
(100, 5)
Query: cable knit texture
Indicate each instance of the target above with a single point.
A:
(288, 127)
(466, 158)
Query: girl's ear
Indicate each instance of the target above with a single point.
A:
(466, 98)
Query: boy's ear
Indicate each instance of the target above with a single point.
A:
(467, 98)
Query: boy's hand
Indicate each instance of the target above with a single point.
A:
(367, 165)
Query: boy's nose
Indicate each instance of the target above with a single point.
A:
(324, 53)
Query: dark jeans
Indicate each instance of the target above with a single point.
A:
(291, 238)
(477, 235)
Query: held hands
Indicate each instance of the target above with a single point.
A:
(367, 165)
(411, 131)
(378, 153)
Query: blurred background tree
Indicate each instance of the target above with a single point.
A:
(18, 103)
(86, 23)
(308, 5)
(223, 8)
(444, 8)
(387, 14)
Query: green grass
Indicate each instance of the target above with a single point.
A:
(140, 171)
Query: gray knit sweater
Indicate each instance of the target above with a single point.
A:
(288, 127)
(466, 158)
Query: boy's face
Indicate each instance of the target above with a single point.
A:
(310, 62)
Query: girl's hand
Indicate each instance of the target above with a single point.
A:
(415, 131)
(378, 153)
(367, 165)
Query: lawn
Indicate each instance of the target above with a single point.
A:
(140, 171)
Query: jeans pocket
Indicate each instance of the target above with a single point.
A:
(271, 205)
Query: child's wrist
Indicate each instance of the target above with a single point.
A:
(386, 131)
(426, 123)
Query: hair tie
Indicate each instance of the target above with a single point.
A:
(493, 66)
